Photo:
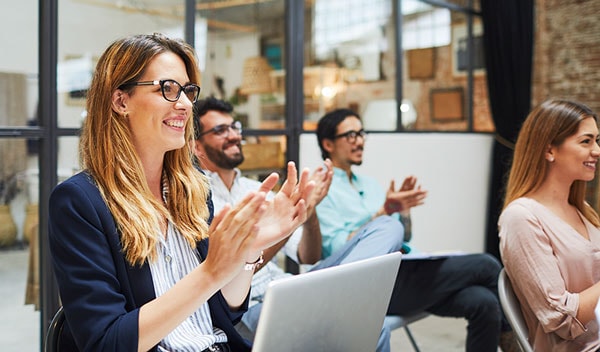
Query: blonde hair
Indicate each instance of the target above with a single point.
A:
(108, 154)
(549, 124)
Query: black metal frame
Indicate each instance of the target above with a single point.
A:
(48, 132)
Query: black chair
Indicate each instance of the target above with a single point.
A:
(52, 341)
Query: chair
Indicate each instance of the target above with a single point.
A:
(512, 310)
(52, 342)
(397, 321)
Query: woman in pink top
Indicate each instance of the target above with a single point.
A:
(549, 234)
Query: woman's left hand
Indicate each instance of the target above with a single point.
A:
(287, 210)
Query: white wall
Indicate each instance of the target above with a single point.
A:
(453, 167)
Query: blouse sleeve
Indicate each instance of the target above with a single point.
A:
(84, 264)
(530, 261)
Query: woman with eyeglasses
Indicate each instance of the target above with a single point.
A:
(129, 234)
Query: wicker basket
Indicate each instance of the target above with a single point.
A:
(256, 76)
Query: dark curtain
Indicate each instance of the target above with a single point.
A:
(508, 48)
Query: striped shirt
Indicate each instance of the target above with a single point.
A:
(176, 259)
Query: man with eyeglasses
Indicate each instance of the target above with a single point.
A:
(218, 148)
(358, 208)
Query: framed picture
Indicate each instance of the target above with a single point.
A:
(447, 104)
(421, 63)
(460, 53)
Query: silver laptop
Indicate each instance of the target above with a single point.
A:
(334, 309)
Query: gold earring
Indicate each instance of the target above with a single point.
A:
(125, 114)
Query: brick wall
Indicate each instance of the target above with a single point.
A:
(567, 57)
(567, 51)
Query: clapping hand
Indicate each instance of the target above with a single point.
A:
(287, 210)
(407, 196)
(233, 234)
(322, 177)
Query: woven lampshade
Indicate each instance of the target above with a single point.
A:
(256, 77)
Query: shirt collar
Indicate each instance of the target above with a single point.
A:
(213, 175)
(337, 172)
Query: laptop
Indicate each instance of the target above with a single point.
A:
(334, 309)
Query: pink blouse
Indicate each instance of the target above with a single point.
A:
(549, 263)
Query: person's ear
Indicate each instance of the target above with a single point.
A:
(119, 102)
(198, 148)
(328, 145)
(550, 153)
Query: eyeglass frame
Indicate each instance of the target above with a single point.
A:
(352, 135)
(223, 129)
(162, 88)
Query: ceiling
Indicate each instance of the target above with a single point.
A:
(236, 15)
(226, 15)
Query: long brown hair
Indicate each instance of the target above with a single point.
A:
(108, 154)
(549, 124)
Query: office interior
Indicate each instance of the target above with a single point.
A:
(417, 71)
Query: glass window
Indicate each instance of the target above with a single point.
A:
(351, 63)
(424, 26)
(436, 89)
(245, 60)
(349, 58)
(83, 35)
(354, 20)
(18, 174)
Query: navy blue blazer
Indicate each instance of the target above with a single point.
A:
(100, 291)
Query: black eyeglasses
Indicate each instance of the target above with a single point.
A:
(171, 89)
(223, 130)
(352, 135)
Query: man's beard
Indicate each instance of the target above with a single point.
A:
(222, 160)
(355, 162)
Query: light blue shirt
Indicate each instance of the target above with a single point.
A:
(349, 204)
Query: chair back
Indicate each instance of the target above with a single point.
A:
(52, 342)
(512, 311)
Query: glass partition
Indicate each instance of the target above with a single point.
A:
(19, 128)
(86, 28)
(352, 63)
(244, 59)
(436, 57)
(350, 58)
